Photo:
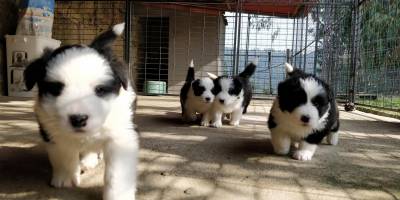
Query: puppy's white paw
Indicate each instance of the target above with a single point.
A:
(89, 161)
(303, 155)
(217, 124)
(65, 180)
(205, 123)
(234, 123)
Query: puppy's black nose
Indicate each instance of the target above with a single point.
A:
(208, 99)
(305, 118)
(78, 121)
(221, 101)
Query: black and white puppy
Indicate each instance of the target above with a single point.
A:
(232, 96)
(84, 107)
(196, 97)
(304, 111)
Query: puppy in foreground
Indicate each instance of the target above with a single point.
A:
(304, 111)
(232, 96)
(196, 97)
(84, 108)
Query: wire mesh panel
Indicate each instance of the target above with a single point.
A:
(334, 45)
(378, 67)
(78, 22)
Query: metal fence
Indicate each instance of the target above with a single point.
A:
(352, 44)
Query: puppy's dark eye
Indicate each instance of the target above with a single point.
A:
(102, 90)
(52, 88)
(319, 101)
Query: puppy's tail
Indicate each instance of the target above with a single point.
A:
(291, 70)
(212, 76)
(105, 40)
(248, 71)
(190, 73)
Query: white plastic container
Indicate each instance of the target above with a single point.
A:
(21, 50)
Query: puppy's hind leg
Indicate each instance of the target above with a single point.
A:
(236, 117)
(189, 115)
(65, 166)
(280, 142)
(333, 138)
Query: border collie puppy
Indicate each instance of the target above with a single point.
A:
(304, 111)
(232, 96)
(83, 108)
(196, 97)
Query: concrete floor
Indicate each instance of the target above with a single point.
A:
(179, 161)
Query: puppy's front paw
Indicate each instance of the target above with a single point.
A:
(303, 155)
(217, 124)
(205, 123)
(234, 123)
(65, 180)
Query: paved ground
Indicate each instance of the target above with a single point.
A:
(179, 161)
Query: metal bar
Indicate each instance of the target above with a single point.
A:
(270, 72)
(352, 79)
(288, 55)
(293, 29)
(247, 39)
(301, 40)
(127, 41)
(295, 47)
(316, 42)
(236, 69)
(234, 40)
(305, 46)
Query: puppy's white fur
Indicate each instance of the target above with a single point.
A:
(109, 127)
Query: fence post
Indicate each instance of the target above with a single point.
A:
(352, 81)
(128, 12)
(316, 42)
(269, 72)
(288, 60)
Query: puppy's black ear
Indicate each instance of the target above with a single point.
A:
(36, 70)
(103, 42)
(119, 69)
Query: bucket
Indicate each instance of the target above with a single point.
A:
(155, 87)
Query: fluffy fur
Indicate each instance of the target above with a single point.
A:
(232, 96)
(196, 97)
(304, 111)
(83, 108)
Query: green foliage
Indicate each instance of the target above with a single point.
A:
(380, 33)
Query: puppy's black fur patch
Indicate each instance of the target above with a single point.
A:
(197, 88)
(186, 87)
(45, 136)
(271, 122)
